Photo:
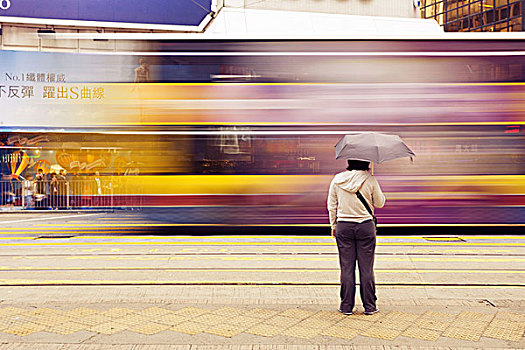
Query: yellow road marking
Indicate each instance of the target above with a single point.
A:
(253, 243)
(273, 270)
(256, 257)
(467, 240)
(153, 282)
(204, 240)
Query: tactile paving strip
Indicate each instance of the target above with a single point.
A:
(9, 311)
(400, 316)
(13, 320)
(50, 320)
(400, 325)
(470, 324)
(153, 312)
(439, 316)
(281, 321)
(368, 318)
(66, 328)
(510, 316)
(44, 312)
(295, 322)
(191, 328)
(226, 330)
(316, 323)
(297, 313)
(210, 319)
(117, 312)
(300, 332)
(260, 313)
(507, 324)
(109, 328)
(432, 324)
(243, 321)
(511, 334)
(24, 329)
(93, 320)
(80, 312)
(350, 322)
(329, 316)
(421, 333)
(381, 333)
(171, 319)
(149, 328)
(462, 333)
(190, 311)
(228, 311)
(475, 316)
(340, 332)
(132, 319)
(264, 330)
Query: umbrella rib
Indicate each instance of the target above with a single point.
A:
(377, 149)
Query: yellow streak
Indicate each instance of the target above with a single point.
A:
(301, 123)
(293, 184)
(299, 84)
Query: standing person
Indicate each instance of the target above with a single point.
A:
(53, 191)
(355, 232)
(142, 72)
(98, 189)
(28, 191)
(141, 76)
(40, 193)
(62, 188)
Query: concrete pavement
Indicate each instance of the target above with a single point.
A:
(89, 282)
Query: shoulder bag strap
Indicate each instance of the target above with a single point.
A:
(363, 200)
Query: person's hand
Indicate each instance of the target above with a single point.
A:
(333, 232)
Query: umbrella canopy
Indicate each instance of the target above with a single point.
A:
(372, 147)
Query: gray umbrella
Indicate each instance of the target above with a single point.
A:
(372, 147)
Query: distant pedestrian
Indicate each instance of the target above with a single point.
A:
(62, 189)
(29, 188)
(354, 230)
(40, 180)
(54, 190)
(40, 188)
(142, 72)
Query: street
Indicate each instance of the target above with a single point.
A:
(456, 291)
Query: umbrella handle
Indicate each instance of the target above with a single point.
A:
(372, 168)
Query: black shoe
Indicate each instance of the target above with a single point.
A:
(345, 312)
(368, 313)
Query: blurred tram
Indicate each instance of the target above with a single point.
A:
(242, 132)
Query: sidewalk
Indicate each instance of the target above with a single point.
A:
(237, 315)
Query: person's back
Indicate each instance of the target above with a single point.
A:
(355, 231)
(344, 205)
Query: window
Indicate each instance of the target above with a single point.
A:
(475, 15)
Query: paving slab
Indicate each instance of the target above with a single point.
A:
(412, 326)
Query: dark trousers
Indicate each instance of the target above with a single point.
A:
(357, 241)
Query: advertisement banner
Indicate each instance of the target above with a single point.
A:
(131, 12)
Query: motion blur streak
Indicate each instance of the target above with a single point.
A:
(218, 132)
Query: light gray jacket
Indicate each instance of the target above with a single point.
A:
(343, 204)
